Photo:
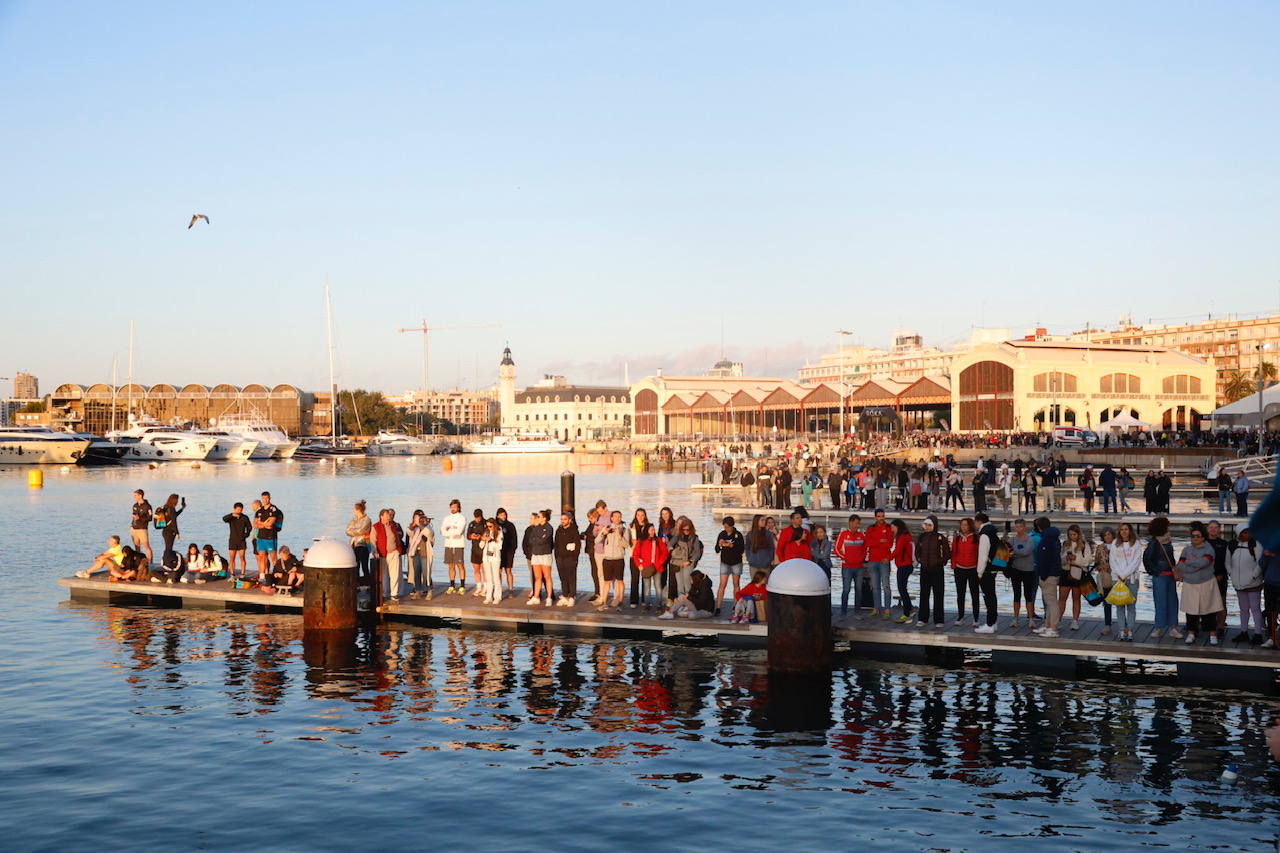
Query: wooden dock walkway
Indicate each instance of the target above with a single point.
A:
(1010, 647)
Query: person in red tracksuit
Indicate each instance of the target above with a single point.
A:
(795, 540)
(964, 567)
(851, 548)
(880, 539)
(904, 558)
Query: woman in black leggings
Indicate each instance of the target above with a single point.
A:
(1022, 572)
(166, 520)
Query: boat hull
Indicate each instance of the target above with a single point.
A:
(189, 450)
(19, 452)
(230, 449)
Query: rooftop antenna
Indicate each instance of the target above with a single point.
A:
(722, 337)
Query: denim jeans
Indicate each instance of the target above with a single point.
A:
(420, 572)
(1108, 501)
(1127, 615)
(881, 597)
(849, 579)
(1164, 594)
(1224, 500)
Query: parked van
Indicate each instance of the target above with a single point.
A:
(1070, 436)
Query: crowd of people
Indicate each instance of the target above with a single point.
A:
(278, 569)
(662, 565)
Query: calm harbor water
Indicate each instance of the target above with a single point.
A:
(157, 729)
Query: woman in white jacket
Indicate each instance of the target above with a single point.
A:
(491, 560)
(1126, 565)
(1247, 578)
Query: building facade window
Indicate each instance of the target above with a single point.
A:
(1181, 384)
(1054, 380)
(1121, 383)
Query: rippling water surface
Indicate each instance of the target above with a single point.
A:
(150, 729)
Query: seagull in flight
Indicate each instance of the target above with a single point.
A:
(195, 217)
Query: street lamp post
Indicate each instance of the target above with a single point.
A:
(840, 334)
(1262, 384)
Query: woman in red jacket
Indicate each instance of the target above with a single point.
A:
(795, 540)
(904, 558)
(964, 566)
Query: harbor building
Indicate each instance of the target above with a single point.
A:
(101, 407)
(1234, 343)
(554, 407)
(1031, 385)
(470, 411)
(906, 360)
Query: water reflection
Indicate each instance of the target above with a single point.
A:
(1040, 757)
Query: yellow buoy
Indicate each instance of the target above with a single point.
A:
(637, 463)
(448, 463)
(35, 478)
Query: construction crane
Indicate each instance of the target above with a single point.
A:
(424, 329)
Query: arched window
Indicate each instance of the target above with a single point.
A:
(1181, 384)
(1054, 380)
(986, 396)
(1121, 383)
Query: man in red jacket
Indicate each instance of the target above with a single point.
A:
(851, 548)
(387, 538)
(794, 541)
(880, 537)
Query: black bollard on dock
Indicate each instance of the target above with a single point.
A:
(799, 620)
(329, 592)
(568, 493)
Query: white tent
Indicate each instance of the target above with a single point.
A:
(1244, 412)
(1124, 420)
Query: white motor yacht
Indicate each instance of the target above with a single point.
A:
(530, 443)
(387, 443)
(41, 446)
(148, 440)
(230, 448)
(272, 441)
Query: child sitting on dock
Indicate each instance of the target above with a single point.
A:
(744, 610)
(697, 603)
(106, 560)
(172, 567)
(204, 565)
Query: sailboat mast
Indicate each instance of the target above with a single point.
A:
(129, 395)
(333, 386)
(114, 379)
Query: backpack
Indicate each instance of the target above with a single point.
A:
(1002, 554)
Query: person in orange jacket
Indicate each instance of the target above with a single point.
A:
(851, 548)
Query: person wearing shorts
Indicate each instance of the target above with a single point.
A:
(730, 546)
(238, 538)
(267, 522)
(612, 542)
(139, 524)
(454, 532)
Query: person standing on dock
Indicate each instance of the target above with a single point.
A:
(1201, 600)
(388, 548)
(932, 552)
(612, 542)
(567, 543)
(267, 522)
(979, 483)
(1124, 485)
(1048, 561)
(1022, 571)
(139, 524)
(686, 553)
(538, 545)
(851, 548)
(1107, 482)
(795, 540)
(782, 486)
(1223, 480)
(1241, 489)
(1164, 485)
(964, 569)
(240, 526)
(1158, 562)
(491, 546)
(1048, 484)
(988, 545)
(454, 531)
(166, 520)
(358, 537)
(475, 532)
(835, 485)
(1087, 485)
(1077, 554)
(510, 544)
(1029, 481)
(764, 487)
(1247, 579)
(422, 555)
(880, 539)
(955, 490)
(1126, 567)
(730, 546)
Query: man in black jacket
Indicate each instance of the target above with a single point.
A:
(835, 484)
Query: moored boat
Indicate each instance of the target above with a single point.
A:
(530, 443)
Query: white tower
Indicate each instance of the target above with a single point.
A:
(507, 391)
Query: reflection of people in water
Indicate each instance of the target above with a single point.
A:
(1273, 739)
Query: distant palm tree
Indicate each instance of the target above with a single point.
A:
(1268, 372)
(1238, 385)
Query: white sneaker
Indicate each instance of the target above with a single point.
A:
(1191, 638)
(1075, 624)
(666, 615)
(155, 580)
(1213, 639)
(533, 599)
(985, 629)
(919, 624)
(1049, 634)
(185, 579)
(1269, 644)
(549, 601)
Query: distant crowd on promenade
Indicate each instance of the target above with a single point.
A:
(1241, 442)
(941, 485)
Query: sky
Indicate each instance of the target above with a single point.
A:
(611, 188)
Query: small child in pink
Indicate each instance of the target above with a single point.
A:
(744, 608)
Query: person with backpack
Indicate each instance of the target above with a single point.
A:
(686, 553)
(993, 555)
(1022, 571)
(1247, 579)
(1158, 562)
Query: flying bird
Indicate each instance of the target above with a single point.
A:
(196, 216)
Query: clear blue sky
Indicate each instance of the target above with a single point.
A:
(609, 182)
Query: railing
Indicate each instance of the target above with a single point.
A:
(1256, 468)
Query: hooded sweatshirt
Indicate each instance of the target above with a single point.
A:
(1242, 566)
(932, 548)
(1049, 554)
